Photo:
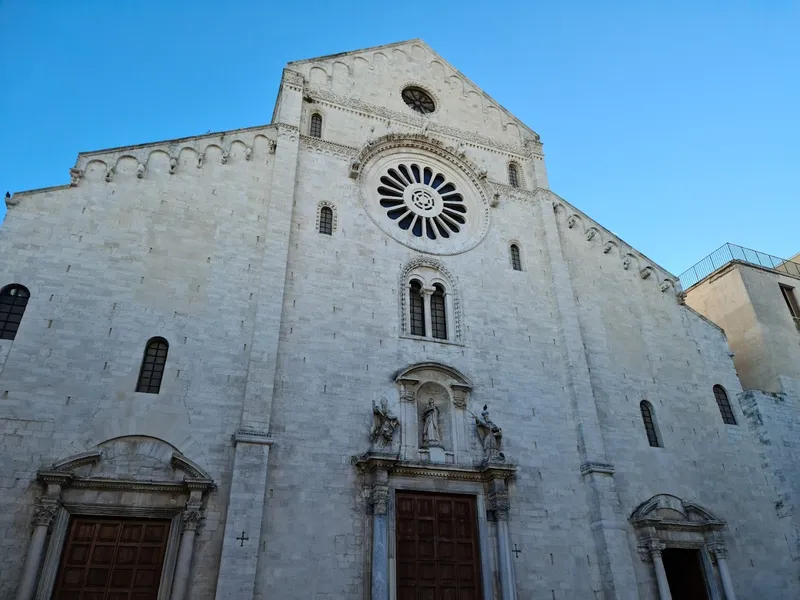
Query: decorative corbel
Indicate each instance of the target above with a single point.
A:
(200, 158)
(75, 176)
(571, 222)
(109, 175)
(607, 248)
(590, 234)
(273, 146)
(248, 153)
(355, 167)
(173, 165)
(140, 171)
(495, 200)
(646, 272)
(224, 158)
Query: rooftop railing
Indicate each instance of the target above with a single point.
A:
(728, 253)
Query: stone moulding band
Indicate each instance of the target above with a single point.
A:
(485, 472)
(249, 436)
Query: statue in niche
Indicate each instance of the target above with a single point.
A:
(490, 435)
(430, 426)
(384, 424)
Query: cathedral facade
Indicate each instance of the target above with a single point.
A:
(363, 352)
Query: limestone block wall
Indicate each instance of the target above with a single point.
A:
(138, 247)
(340, 348)
(774, 421)
(641, 344)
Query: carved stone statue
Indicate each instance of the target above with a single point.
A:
(490, 435)
(430, 426)
(384, 424)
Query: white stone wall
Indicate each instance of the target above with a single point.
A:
(109, 265)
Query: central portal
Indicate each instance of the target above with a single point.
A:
(437, 547)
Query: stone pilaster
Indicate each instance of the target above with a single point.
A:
(243, 572)
(499, 507)
(380, 535)
(605, 515)
(44, 511)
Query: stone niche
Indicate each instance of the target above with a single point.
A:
(435, 393)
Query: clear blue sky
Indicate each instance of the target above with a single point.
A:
(674, 124)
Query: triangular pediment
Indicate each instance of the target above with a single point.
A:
(377, 75)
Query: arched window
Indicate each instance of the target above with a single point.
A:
(438, 313)
(155, 358)
(315, 130)
(516, 263)
(724, 405)
(649, 423)
(513, 176)
(326, 220)
(417, 306)
(13, 300)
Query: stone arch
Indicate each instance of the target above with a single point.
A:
(668, 522)
(431, 272)
(448, 390)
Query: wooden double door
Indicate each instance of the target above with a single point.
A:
(112, 559)
(437, 547)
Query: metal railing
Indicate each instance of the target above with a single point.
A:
(728, 253)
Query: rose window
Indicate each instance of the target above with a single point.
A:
(422, 201)
(418, 100)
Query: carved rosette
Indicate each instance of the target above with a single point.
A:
(44, 511)
(191, 517)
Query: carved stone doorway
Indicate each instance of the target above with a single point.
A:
(437, 547)
(685, 575)
(112, 559)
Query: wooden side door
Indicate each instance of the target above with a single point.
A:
(112, 559)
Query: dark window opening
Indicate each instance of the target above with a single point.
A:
(417, 309)
(724, 405)
(513, 177)
(153, 363)
(649, 424)
(438, 312)
(326, 220)
(516, 263)
(316, 126)
(418, 100)
(791, 300)
(13, 300)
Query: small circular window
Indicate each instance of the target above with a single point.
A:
(422, 201)
(418, 100)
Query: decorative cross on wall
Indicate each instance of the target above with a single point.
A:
(243, 538)
(516, 551)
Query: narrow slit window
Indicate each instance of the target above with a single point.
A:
(649, 424)
(724, 405)
(13, 300)
(315, 130)
(791, 300)
(516, 263)
(438, 313)
(153, 363)
(513, 176)
(326, 220)
(417, 308)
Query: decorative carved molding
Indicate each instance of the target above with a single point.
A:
(75, 176)
(78, 460)
(498, 504)
(405, 275)
(380, 498)
(251, 436)
(332, 206)
(315, 144)
(597, 467)
(44, 511)
(179, 461)
(371, 462)
(191, 517)
(414, 120)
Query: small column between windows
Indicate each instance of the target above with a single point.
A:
(426, 303)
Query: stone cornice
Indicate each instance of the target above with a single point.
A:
(78, 460)
(377, 111)
(481, 473)
(313, 144)
(597, 467)
(608, 241)
(251, 436)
